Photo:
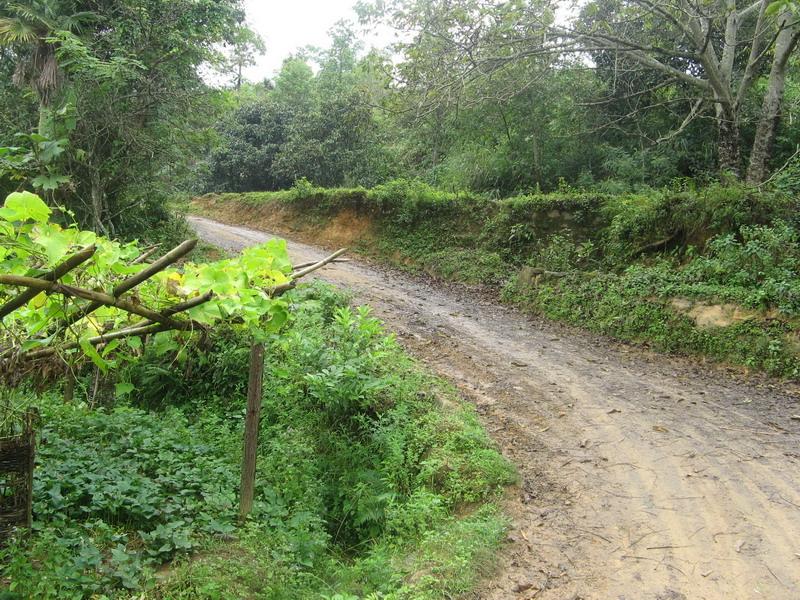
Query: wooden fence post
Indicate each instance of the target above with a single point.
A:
(251, 424)
(31, 438)
(69, 385)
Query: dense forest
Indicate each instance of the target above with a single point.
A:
(104, 110)
(627, 167)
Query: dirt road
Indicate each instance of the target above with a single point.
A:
(643, 476)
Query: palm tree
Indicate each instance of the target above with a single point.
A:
(28, 27)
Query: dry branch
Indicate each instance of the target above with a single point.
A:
(285, 287)
(154, 322)
(186, 305)
(162, 263)
(143, 328)
(181, 307)
(318, 265)
(98, 298)
(99, 339)
(313, 262)
(148, 252)
(657, 244)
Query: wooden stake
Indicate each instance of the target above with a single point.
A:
(251, 424)
(69, 385)
(31, 435)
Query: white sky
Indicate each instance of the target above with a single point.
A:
(291, 24)
(286, 25)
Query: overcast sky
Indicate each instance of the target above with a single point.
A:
(287, 25)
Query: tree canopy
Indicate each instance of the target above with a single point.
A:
(105, 110)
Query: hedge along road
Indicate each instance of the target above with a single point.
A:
(642, 476)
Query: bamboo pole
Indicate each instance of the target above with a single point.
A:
(313, 262)
(57, 273)
(147, 253)
(99, 339)
(285, 287)
(98, 298)
(320, 264)
(142, 328)
(131, 282)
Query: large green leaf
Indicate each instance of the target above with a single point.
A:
(49, 182)
(23, 206)
(55, 242)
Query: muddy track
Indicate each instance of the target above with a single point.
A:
(643, 476)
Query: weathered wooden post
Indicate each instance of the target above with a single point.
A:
(69, 385)
(251, 425)
(30, 418)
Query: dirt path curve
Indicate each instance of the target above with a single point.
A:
(642, 476)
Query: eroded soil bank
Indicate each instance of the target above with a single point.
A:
(643, 476)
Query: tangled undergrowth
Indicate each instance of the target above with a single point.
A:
(374, 481)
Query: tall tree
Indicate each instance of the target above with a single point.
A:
(29, 27)
(713, 53)
(127, 88)
(140, 100)
(785, 43)
(245, 46)
(718, 50)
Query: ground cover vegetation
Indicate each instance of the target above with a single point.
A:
(370, 470)
(374, 479)
(645, 267)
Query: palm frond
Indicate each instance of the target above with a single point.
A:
(76, 22)
(39, 20)
(22, 12)
(15, 31)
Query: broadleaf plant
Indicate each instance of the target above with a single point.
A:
(31, 244)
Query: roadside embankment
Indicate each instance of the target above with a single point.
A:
(713, 273)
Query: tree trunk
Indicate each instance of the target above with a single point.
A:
(758, 168)
(537, 161)
(728, 146)
(98, 204)
(45, 125)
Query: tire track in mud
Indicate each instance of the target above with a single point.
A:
(643, 476)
